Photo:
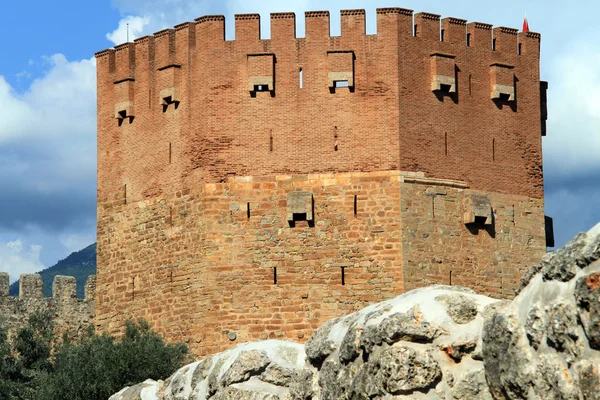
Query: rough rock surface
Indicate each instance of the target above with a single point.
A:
(544, 344)
(439, 342)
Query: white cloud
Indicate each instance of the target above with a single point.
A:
(148, 16)
(131, 27)
(17, 259)
(573, 142)
(48, 160)
(77, 241)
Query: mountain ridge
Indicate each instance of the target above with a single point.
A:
(79, 264)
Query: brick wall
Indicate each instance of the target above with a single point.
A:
(202, 140)
(388, 119)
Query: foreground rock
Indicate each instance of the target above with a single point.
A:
(438, 342)
(546, 343)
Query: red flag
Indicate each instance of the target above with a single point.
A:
(525, 25)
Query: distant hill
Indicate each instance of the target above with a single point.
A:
(79, 264)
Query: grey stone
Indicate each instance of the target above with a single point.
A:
(374, 314)
(509, 365)
(562, 264)
(133, 392)
(590, 253)
(588, 379)
(409, 326)
(349, 349)
(302, 385)
(472, 386)
(328, 380)
(319, 346)
(404, 370)
(177, 384)
(201, 371)
(232, 393)
(277, 375)
(287, 353)
(213, 384)
(363, 385)
(458, 350)
(460, 308)
(535, 326)
(247, 364)
(587, 294)
(553, 379)
(562, 329)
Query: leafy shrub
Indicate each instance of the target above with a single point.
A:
(95, 367)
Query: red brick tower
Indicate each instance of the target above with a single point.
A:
(252, 189)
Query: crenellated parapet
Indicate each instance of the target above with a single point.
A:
(121, 60)
(72, 315)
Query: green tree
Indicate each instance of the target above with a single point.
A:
(98, 366)
(11, 376)
(94, 367)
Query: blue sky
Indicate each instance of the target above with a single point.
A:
(48, 105)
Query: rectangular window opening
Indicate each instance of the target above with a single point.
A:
(445, 88)
(505, 96)
(170, 152)
(343, 276)
(299, 217)
(335, 140)
(415, 30)
(301, 83)
(493, 149)
(479, 220)
(450, 278)
(274, 275)
(355, 205)
(442, 35)
(341, 84)
(125, 194)
(261, 88)
(248, 210)
(494, 44)
(470, 93)
(520, 48)
(468, 40)
(445, 143)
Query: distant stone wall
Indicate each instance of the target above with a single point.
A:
(72, 315)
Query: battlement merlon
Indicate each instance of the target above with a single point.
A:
(283, 26)
(454, 30)
(209, 31)
(64, 288)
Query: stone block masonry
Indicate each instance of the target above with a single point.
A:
(255, 188)
(72, 316)
(226, 257)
